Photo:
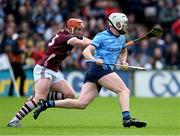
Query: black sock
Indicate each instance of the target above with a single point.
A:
(50, 104)
(126, 115)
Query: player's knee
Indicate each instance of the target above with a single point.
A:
(128, 91)
(124, 90)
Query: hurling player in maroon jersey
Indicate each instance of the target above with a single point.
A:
(47, 75)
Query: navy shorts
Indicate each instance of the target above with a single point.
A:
(95, 72)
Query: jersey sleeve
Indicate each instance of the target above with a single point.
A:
(97, 40)
(124, 42)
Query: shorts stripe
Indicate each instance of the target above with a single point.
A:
(43, 73)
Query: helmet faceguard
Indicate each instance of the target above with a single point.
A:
(74, 23)
(119, 21)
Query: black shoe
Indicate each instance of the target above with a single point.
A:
(133, 122)
(41, 107)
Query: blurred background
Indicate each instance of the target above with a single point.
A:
(26, 26)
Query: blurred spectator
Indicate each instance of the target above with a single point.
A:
(140, 57)
(37, 52)
(175, 28)
(52, 30)
(7, 38)
(167, 13)
(172, 56)
(1, 32)
(157, 61)
(39, 20)
(14, 52)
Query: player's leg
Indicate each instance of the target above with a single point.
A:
(59, 91)
(53, 95)
(113, 82)
(62, 89)
(43, 81)
(41, 91)
(88, 94)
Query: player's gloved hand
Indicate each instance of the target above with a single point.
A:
(124, 65)
(99, 61)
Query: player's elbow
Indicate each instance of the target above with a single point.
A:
(82, 105)
(84, 52)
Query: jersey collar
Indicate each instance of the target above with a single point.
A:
(108, 30)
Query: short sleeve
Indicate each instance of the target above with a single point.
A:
(124, 42)
(97, 41)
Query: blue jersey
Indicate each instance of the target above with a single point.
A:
(108, 46)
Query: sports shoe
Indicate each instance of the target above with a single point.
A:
(133, 122)
(14, 124)
(41, 107)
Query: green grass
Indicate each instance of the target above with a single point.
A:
(102, 117)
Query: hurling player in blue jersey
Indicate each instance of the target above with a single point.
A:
(106, 47)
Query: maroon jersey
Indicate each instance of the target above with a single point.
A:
(57, 50)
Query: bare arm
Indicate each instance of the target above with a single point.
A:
(79, 42)
(123, 55)
(88, 54)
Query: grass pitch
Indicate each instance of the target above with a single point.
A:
(102, 117)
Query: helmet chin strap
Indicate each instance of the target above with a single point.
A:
(119, 31)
